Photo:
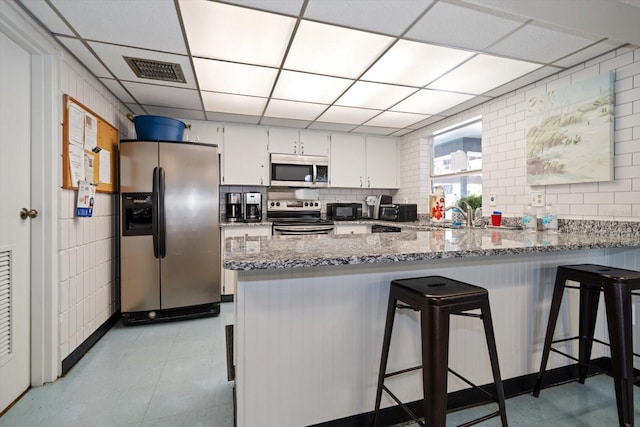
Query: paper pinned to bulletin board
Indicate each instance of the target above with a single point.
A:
(89, 149)
(86, 199)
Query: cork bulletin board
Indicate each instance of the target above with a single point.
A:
(89, 148)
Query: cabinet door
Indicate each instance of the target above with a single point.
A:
(352, 229)
(245, 157)
(347, 161)
(382, 168)
(282, 140)
(229, 278)
(314, 143)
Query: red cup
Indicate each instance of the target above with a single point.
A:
(496, 220)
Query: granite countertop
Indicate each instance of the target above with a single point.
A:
(257, 253)
(263, 223)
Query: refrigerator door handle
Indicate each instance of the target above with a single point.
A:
(154, 213)
(162, 235)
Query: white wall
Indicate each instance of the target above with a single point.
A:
(87, 246)
(503, 149)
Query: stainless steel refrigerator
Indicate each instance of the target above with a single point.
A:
(169, 231)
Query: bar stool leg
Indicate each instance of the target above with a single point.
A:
(556, 300)
(618, 300)
(386, 342)
(589, 299)
(493, 357)
(435, 358)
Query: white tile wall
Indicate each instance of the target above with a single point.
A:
(503, 148)
(86, 251)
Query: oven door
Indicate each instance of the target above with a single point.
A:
(301, 230)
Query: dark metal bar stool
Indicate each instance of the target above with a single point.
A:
(617, 285)
(437, 298)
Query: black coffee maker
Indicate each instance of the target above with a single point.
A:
(252, 207)
(234, 207)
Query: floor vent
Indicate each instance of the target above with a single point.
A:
(5, 304)
(156, 70)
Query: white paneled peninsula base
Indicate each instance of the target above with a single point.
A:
(310, 313)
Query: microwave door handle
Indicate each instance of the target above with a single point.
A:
(315, 173)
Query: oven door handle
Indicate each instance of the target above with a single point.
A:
(299, 231)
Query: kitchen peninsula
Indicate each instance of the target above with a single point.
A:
(310, 312)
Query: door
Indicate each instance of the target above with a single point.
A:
(15, 236)
(190, 269)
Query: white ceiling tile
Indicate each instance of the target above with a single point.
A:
(79, 50)
(232, 118)
(525, 80)
(430, 102)
(231, 33)
(47, 16)
(414, 64)
(219, 76)
(588, 53)
(164, 96)
(454, 25)
(395, 120)
(373, 130)
(482, 73)
(335, 51)
(150, 24)
(289, 123)
(377, 16)
(287, 7)
(136, 109)
(539, 44)
(335, 127)
(113, 58)
(176, 113)
(293, 110)
(355, 116)
(117, 89)
(309, 87)
(373, 95)
(235, 104)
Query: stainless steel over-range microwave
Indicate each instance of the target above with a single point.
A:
(291, 170)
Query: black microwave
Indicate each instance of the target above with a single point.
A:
(400, 213)
(344, 211)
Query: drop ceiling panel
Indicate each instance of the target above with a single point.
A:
(150, 24)
(80, 51)
(113, 58)
(288, 7)
(117, 89)
(374, 95)
(335, 127)
(176, 113)
(414, 64)
(289, 123)
(232, 118)
(219, 76)
(47, 16)
(381, 17)
(430, 102)
(540, 44)
(221, 31)
(334, 51)
(164, 96)
(234, 104)
(373, 130)
(294, 110)
(588, 53)
(395, 119)
(309, 87)
(346, 115)
(482, 73)
(453, 25)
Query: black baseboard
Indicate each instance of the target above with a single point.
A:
(86, 345)
(471, 397)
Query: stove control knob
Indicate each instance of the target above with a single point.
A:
(317, 204)
(306, 203)
(277, 203)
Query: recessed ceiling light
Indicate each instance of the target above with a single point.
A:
(308, 87)
(293, 110)
(353, 116)
(430, 102)
(393, 119)
(373, 95)
(235, 104)
(219, 76)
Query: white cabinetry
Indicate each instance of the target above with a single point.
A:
(293, 141)
(359, 162)
(228, 278)
(352, 229)
(245, 159)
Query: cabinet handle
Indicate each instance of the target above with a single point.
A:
(261, 181)
(368, 182)
(360, 181)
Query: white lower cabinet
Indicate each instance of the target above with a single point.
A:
(228, 278)
(352, 229)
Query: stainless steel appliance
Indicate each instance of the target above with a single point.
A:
(233, 209)
(297, 217)
(170, 237)
(400, 213)
(344, 211)
(252, 207)
(290, 170)
(377, 202)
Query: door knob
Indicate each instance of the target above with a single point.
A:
(28, 213)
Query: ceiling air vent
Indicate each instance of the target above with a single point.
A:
(156, 70)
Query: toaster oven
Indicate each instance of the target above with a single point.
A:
(400, 213)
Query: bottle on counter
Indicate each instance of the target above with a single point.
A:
(550, 218)
(529, 219)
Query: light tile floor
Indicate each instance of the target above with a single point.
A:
(174, 375)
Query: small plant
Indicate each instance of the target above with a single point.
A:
(474, 201)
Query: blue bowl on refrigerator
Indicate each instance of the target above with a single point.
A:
(158, 128)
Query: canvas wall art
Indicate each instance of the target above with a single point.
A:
(570, 133)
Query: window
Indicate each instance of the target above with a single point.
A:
(457, 161)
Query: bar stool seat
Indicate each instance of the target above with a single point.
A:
(618, 285)
(436, 298)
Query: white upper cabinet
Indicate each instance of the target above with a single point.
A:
(293, 141)
(359, 162)
(245, 158)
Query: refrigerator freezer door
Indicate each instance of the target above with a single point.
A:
(190, 269)
(140, 270)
